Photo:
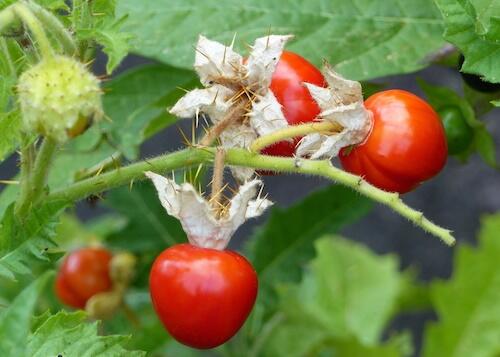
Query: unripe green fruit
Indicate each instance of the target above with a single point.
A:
(59, 98)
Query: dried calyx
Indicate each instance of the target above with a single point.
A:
(205, 226)
(241, 106)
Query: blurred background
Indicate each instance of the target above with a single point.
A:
(456, 199)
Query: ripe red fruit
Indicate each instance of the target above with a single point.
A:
(287, 85)
(203, 296)
(84, 273)
(407, 144)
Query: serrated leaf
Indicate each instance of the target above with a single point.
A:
(69, 334)
(149, 227)
(363, 39)
(136, 98)
(467, 305)
(280, 248)
(10, 133)
(23, 242)
(15, 321)
(114, 42)
(342, 305)
(482, 53)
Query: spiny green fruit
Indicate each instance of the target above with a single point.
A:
(59, 98)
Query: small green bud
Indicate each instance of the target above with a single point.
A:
(59, 98)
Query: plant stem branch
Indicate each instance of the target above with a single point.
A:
(8, 57)
(41, 168)
(234, 114)
(55, 27)
(7, 17)
(36, 28)
(26, 155)
(293, 131)
(217, 179)
(240, 157)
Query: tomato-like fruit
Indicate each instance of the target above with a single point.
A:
(84, 273)
(287, 85)
(406, 146)
(203, 296)
(458, 133)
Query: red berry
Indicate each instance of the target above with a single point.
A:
(202, 296)
(84, 273)
(287, 85)
(407, 144)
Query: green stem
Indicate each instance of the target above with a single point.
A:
(293, 131)
(34, 25)
(7, 18)
(6, 52)
(240, 157)
(41, 169)
(26, 155)
(54, 27)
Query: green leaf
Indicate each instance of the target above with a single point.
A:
(149, 227)
(468, 26)
(10, 133)
(363, 39)
(15, 321)
(343, 304)
(467, 305)
(485, 146)
(280, 248)
(115, 44)
(138, 97)
(21, 243)
(68, 334)
(496, 103)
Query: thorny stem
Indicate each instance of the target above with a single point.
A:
(217, 179)
(294, 131)
(10, 63)
(41, 168)
(55, 27)
(240, 157)
(7, 17)
(34, 25)
(233, 115)
(26, 156)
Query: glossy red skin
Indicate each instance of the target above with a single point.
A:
(407, 144)
(287, 85)
(202, 296)
(84, 273)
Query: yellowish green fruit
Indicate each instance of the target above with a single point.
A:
(59, 98)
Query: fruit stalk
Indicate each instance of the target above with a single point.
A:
(240, 157)
(55, 27)
(294, 131)
(26, 15)
(218, 179)
(26, 159)
(41, 169)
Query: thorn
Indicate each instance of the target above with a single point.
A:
(182, 89)
(268, 37)
(9, 182)
(233, 40)
(184, 137)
